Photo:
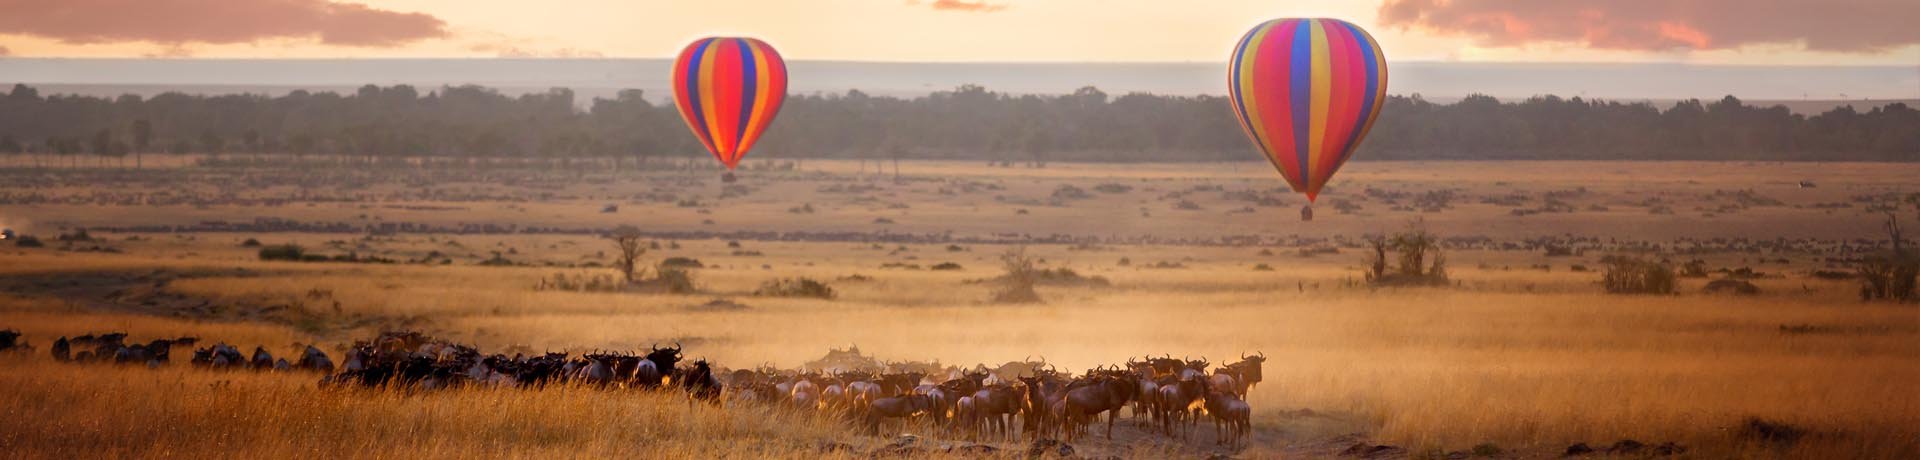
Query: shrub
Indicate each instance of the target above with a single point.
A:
(681, 262)
(1017, 285)
(945, 266)
(28, 242)
(1412, 248)
(1630, 275)
(287, 252)
(675, 280)
(250, 243)
(795, 287)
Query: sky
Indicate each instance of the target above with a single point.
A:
(1758, 32)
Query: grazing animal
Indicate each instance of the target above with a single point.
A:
(701, 384)
(62, 350)
(10, 341)
(261, 359)
(1104, 392)
(996, 405)
(1246, 373)
(1232, 418)
(653, 371)
(315, 360)
(900, 407)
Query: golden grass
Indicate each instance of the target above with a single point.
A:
(1438, 368)
(1527, 359)
(64, 411)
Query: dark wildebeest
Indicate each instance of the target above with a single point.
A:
(658, 365)
(595, 369)
(902, 407)
(10, 341)
(62, 350)
(1246, 373)
(996, 405)
(1106, 391)
(701, 384)
(261, 359)
(1180, 401)
(314, 360)
(1232, 417)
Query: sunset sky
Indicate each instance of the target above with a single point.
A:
(1789, 32)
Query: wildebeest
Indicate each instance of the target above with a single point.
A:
(1232, 417)
(1246, 373)
(1104, 391)
(10, 341)
(261, 360)
(313, 359)
(996, 405)
(62, 350)
(901, 407)
(658, 365)
(701, 384)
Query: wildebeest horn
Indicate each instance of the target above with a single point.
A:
(1243, 356)
(676, 346)
(1263, 354)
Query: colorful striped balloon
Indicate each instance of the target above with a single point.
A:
(1306, 91)
(728, 90)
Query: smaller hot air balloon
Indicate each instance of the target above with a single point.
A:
(1306, 91)
(728, 90)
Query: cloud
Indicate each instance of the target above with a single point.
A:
(215, 21)
(1650, 25)
(964, 6)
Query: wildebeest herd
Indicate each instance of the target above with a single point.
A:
(1171, 394)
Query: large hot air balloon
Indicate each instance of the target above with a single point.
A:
(729, 89)
(1306, 91)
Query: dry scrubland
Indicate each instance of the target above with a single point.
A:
(1526, 359)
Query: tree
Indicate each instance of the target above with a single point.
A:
(10, 146)
(212, 143)
(142, 138)
(626, 240)
(102, 143)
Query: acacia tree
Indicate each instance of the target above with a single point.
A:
(626, 239)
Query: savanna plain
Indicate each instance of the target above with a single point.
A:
(1520, 353)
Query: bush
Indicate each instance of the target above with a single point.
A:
(795, 287)
(29, 242)
(945, 266)
(250, 243)
(1412, 248)
(286, 252)
(1629, 275)
(681, 262)
(1017, 285)
(675, 280)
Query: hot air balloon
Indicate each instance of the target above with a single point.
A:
(728, 90)
(1306, 91)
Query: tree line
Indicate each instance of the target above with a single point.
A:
(469, 123)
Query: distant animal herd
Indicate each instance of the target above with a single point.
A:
(1030, 398)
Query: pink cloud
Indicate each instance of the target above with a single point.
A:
(964, 6)
(215, 21)
(1641, 25)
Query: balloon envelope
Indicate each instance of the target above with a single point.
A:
(728, 90)
(1306, 91)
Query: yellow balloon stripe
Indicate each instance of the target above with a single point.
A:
(707, 63)
(1317, 112)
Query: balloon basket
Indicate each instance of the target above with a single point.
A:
(728, 177)
(1306, 213)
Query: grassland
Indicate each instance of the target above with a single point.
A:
(1525, 358)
